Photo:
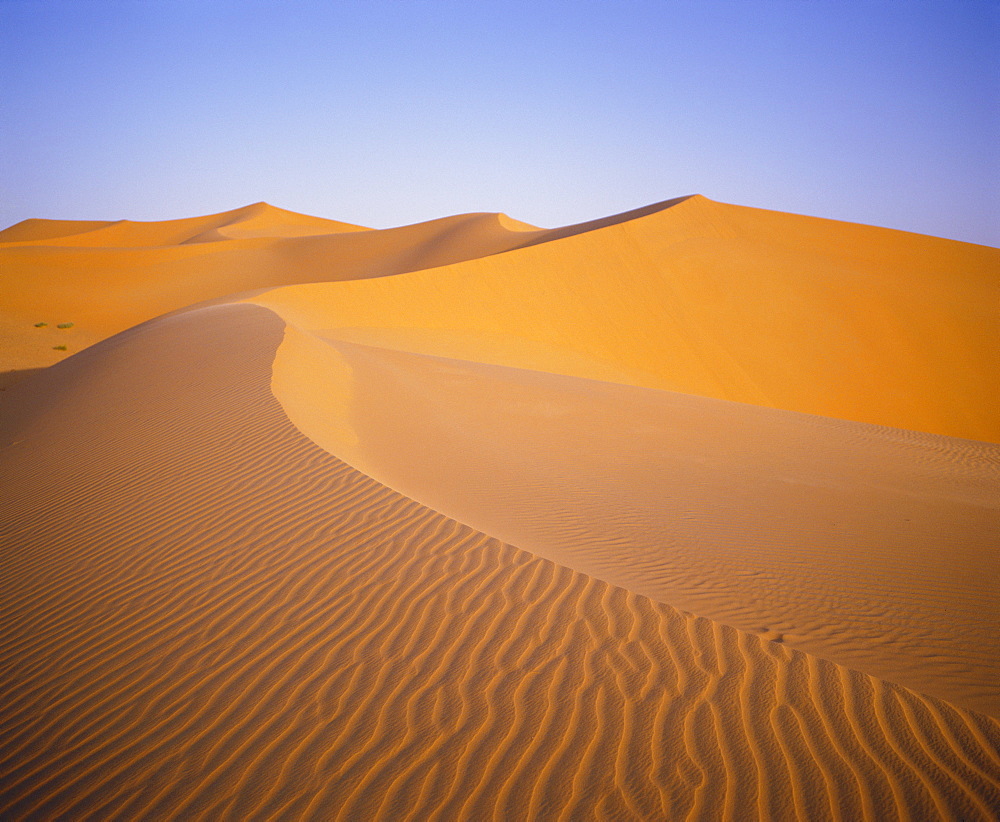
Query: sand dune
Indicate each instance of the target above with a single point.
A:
(476, 520)
(142, 270)
(746, 514)
(802, 314)
(304, 641)
(789, 312)
(257, 220)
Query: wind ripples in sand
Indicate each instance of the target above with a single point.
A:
(222, 621)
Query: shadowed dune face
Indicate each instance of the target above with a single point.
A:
(12, 377)
(753, 516)
(477, 520)
(206, 616)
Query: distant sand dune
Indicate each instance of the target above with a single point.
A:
(143, 270)
(257, 220)
(205, 616)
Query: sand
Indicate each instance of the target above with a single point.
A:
(474, 520)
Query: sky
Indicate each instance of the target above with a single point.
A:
(388, 112)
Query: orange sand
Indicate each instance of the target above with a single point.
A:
(257, 534)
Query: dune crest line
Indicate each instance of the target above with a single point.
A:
(794, 313)
(770, 521)
(684, 513)
(688, 295)
(205, 616)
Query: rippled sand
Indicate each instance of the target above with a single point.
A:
(689, 513)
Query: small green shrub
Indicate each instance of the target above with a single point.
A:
(40, 325)
(58, 347)
(65, 325)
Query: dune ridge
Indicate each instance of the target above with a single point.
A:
(790, 312)
(753, 516)
(703, 298)
(259, 219)
(145, 270)
(306, 643)
(684, 513)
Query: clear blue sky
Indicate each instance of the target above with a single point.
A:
(385, 113)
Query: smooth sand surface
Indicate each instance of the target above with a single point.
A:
(809, 315)
(107, 279)
(474, 520)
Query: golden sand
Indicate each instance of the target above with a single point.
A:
(689, 513)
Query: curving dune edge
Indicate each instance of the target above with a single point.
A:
(323, 522)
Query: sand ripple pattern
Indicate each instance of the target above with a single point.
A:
(205, 616)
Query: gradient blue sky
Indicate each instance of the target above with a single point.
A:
(385, 113)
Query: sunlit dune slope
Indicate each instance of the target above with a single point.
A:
(108, 278)
(721, 301)
(257, 220)
(688, 295)
(203, 615)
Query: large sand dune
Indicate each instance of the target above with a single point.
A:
(689, 513)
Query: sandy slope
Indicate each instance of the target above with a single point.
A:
(689, 295)
(207, 617)
(772, 521)
(54, 269)
(703, 298)
(257, 556)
